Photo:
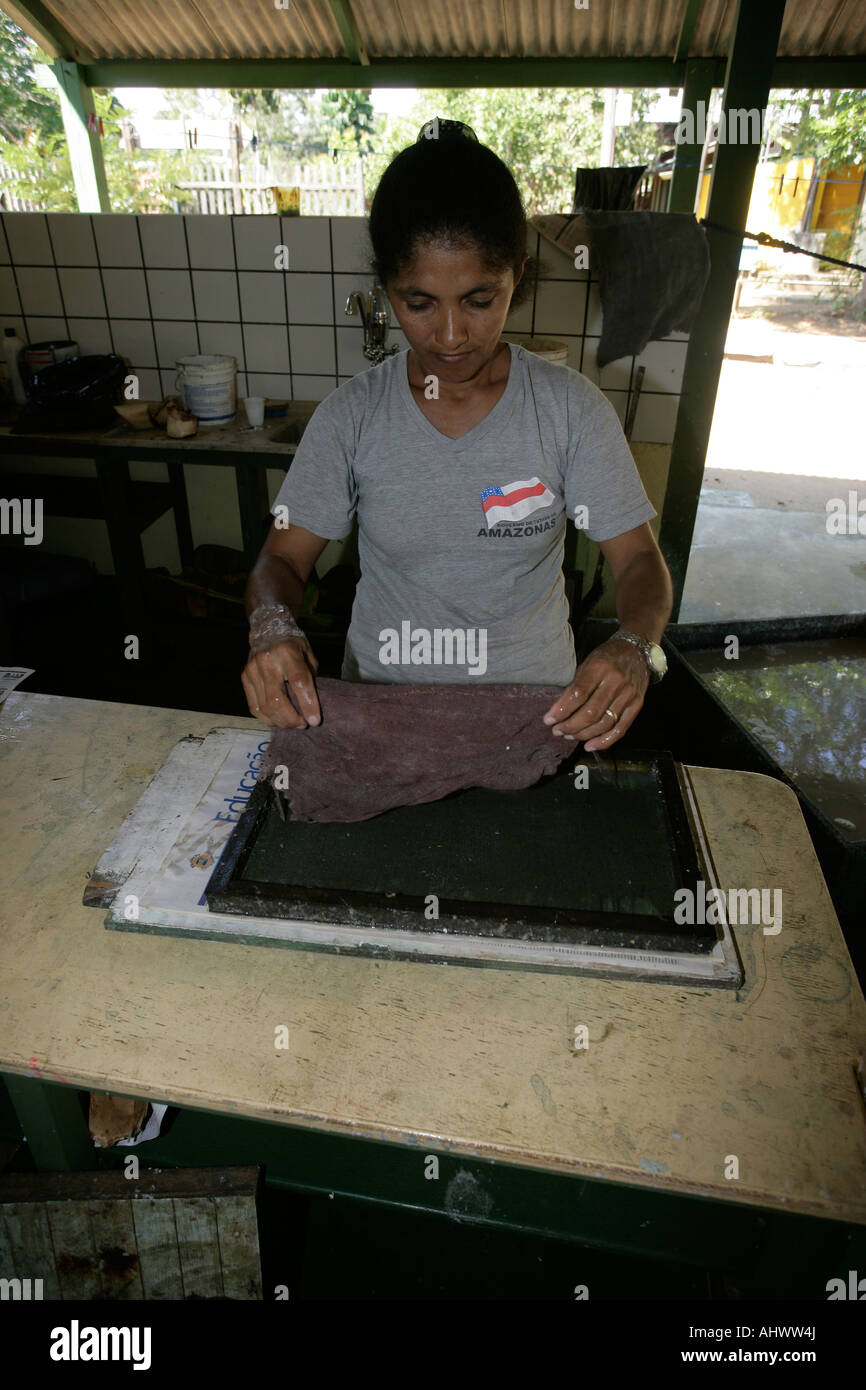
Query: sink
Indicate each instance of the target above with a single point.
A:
(289, 432)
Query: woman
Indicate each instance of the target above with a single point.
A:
(463, 459)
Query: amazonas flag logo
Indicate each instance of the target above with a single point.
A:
(514, 501)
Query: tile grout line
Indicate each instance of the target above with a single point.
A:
(284, 242)
(191, 286)
(104, 295)
(22, 315)
(162, 392)
(240, 310)
(57, 277)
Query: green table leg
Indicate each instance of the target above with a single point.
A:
(252, 485)
(123, 533)
(53, 1123)
(180, 506)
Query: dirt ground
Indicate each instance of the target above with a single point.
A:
(823, 310)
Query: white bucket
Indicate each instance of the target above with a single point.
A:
(551, 349)
(209, 387)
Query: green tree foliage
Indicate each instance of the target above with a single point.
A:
(641, 140)
(828, 124)
(542, 135)
(137, 182)
(27, 112)
(349, 120)
(33, 143)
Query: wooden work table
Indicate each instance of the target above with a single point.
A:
(235, 437)
(467, 1062)
(128, 507)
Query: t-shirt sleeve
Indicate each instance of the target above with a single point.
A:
(319, 489)
(600, 474)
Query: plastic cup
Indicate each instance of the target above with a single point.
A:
(255, 408)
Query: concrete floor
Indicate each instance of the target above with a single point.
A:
(794, 429)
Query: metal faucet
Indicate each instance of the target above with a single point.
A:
(375, 319)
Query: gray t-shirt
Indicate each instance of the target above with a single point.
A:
(461, 540)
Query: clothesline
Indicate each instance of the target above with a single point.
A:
(764, 239)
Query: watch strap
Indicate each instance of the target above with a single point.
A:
(643, 644)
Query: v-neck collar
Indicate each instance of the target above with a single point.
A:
(491, 419)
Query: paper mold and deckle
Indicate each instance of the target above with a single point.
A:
(154, 876)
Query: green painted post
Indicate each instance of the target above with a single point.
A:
(697, 90)
(85, 148)
(747, 88)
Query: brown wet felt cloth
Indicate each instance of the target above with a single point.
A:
(381, 746)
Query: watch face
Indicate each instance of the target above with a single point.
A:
(657, 659)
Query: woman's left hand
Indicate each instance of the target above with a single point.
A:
(612, 681)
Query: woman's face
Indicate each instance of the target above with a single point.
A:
(452, 308)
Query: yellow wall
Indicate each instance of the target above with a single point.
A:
(837, 200)
(779, 196)
(704, 198)
(781, 190)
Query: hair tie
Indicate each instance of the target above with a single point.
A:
(441, 129)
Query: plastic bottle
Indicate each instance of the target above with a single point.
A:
(12, 347)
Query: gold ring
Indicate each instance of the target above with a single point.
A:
(614, 716)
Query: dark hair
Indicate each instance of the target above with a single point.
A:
(448, 187)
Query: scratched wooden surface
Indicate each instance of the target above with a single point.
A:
(476, 1061)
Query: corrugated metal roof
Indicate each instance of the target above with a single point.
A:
(418, 29)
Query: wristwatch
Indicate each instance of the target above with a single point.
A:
(655, 657)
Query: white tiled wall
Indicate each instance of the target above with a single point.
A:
(154, 288)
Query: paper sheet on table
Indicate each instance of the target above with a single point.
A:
(183, 876)
(10, 676)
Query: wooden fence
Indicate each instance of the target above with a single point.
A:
(12, 202)
(328, 188)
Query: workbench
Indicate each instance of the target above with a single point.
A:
(624, 1144)
(128, 507)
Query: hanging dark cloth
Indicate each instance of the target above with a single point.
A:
(652, 269)
(610, 189)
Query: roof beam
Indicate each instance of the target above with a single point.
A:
(819, 72)
(452, 72)
(41, 26)
(687, 30)
(394, 72)
(342, 12)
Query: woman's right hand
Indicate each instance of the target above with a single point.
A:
(268, 677)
